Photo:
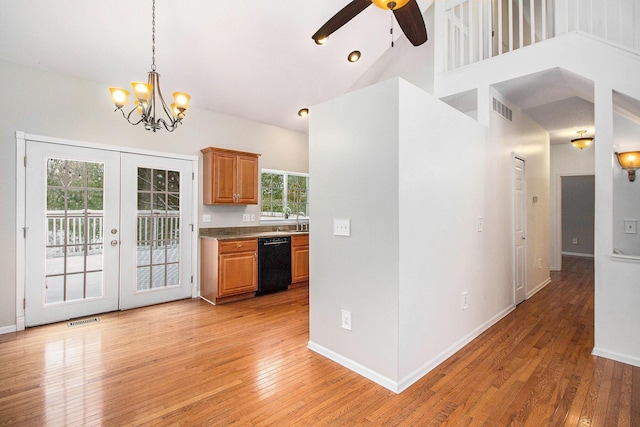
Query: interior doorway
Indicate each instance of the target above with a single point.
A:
(578, 216)
(575, 216)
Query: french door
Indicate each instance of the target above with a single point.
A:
(104, 231)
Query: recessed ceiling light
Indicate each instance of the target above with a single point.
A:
(303, 112)
(354, 56)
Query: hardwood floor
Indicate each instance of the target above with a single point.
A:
(246, 363)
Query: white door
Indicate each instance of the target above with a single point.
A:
(156, 230)
(519, 221)
(72, 214)
(104, 231)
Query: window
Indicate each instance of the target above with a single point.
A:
(284, 194)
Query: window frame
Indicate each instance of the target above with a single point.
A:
(285, 174)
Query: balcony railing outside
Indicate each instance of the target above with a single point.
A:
(78, 233)
(476, 30)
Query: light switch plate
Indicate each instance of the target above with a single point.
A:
(630, 226)
(342, 227)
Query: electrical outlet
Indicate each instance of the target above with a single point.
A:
(465, 300)
(539, 262)
(574, 240)
(342, 227)
(346, 320)
(630, 226)
(246, 217)
(206, 218)
(253, 217)
(480, 221)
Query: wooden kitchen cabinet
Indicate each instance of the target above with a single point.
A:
(229, 269)
(229, 177)
(299, 258)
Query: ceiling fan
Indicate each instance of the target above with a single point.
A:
(407, 14)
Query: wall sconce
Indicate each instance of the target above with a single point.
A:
(629, 161)
(582, 141)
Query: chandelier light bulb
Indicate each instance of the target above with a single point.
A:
(119, 96)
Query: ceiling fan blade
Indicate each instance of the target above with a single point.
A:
(411, 21)
(345, 15)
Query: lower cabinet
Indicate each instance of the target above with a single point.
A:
(299, 258)
(229, 269)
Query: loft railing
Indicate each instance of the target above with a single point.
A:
(476, 30)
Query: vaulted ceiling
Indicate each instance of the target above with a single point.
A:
(253, 59)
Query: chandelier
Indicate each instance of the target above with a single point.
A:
(149, 101)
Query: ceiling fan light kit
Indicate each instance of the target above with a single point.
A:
(390, 5)
(149, 100)
(407, 13)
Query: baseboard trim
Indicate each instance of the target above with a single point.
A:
(427, 367)
(539, 287)
(8, 329)
(629, 360)
(578, 254)
(354, 366)
(407, 381)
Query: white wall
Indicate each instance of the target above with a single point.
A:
(617, 294)
(411, 63)
(611, 69)
(414, 180)
(527, 139)
(353, 152)
(45, 103)
(442, 162)
(626, 194)
(566, 160)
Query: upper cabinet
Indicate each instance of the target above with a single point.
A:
(230, 177)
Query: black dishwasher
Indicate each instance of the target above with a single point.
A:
(274, 264)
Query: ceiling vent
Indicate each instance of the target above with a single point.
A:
(503, 110)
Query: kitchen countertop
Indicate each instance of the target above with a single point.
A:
(234, 233)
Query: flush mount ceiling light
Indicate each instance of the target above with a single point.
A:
(629, 161)
(582, 141)
(149, 101)
(303, 112)
(354, 56)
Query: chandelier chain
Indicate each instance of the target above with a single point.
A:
(153, 36)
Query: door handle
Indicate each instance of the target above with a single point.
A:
(114, 243)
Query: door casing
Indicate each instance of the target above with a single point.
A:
(21, 139)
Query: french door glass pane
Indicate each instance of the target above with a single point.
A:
(75, 236)
(158, 229)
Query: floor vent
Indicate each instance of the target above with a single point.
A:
(502, 109)
(82, 322)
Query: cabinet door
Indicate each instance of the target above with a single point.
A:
(247, 184)
(299, 264)
(238, 273)
(224, 178)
